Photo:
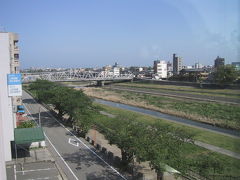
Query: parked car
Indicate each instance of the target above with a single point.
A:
(20, 109)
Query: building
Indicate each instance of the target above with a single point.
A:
(177, 64)
(160, 69)
(198, 66)
(236, 65)
(116, 69)
(195, 74)
(169, 69)
(219, 62)
(9, 64)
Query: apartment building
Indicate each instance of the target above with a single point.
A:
(177, 64)
(9, 64)
(219, 62)
(160, 69)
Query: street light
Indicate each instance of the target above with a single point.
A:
(39, 117)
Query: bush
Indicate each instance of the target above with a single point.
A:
(27, 124)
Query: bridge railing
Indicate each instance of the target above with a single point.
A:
(75, 76)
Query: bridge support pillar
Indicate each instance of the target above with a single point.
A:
(100, 83)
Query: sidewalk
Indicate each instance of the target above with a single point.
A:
(217, 149)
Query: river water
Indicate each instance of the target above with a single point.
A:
(170, 118)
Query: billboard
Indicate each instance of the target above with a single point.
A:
(14, 82)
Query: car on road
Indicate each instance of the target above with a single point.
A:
(20, 109)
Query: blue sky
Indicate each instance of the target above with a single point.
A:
(93, 33)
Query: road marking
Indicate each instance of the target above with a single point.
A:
(79, 140)
(73, 142)
(54, 146)
(15, 174)
(43, 178)
(32, 170)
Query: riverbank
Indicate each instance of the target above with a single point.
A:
(231, 165)
(221, 115)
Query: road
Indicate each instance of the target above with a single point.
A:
(177, 94)
(77, 160)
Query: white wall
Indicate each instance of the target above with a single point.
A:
(2, 156)
(6, 117)
(162, 69)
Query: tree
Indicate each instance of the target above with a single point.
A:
(125, 132)
(225, 74)
(207, 164)
(161, 146)
(59, 97)
(68, 101)
(77, 101)
(42, 89)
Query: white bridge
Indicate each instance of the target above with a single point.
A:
(74, 76)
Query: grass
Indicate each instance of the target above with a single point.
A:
(185, 89)
(223, 115)
(226, 142)
(230, 165)
(190, 151)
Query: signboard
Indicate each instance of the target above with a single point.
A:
(14, 84)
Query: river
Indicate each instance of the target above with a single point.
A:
(172, 118)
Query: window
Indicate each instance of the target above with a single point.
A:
(16, 56)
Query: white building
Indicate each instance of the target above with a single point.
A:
(9, 64)
(6, 115)
(198, 65)
(116, 71)
(160, 69)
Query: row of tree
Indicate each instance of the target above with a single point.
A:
(153, 142)
(66, 101)
(223, 75)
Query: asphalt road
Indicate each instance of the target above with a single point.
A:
(179, 94)
(77, 159)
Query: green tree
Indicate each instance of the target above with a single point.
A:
(225, 74)
(78, 101)
(42, 89)
(59, 96)
(161, 146)
(207, 164)
(74, 103)
(125, 132)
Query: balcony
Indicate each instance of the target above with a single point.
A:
(16, 63)
(16, 50)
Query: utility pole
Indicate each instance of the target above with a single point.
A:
(39, 117)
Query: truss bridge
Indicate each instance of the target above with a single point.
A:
(74, 76)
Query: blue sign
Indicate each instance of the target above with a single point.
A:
(14, 82)
(14, 79)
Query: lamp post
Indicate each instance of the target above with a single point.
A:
(39, 117)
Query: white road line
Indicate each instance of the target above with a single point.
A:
(43, 178)
(32, 170)
(61, 157)
(70, 142)
(54, 147)
(82, 142)
(15, 174)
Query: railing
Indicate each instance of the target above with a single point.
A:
(75, 76)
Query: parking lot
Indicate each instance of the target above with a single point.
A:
(35, 170)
